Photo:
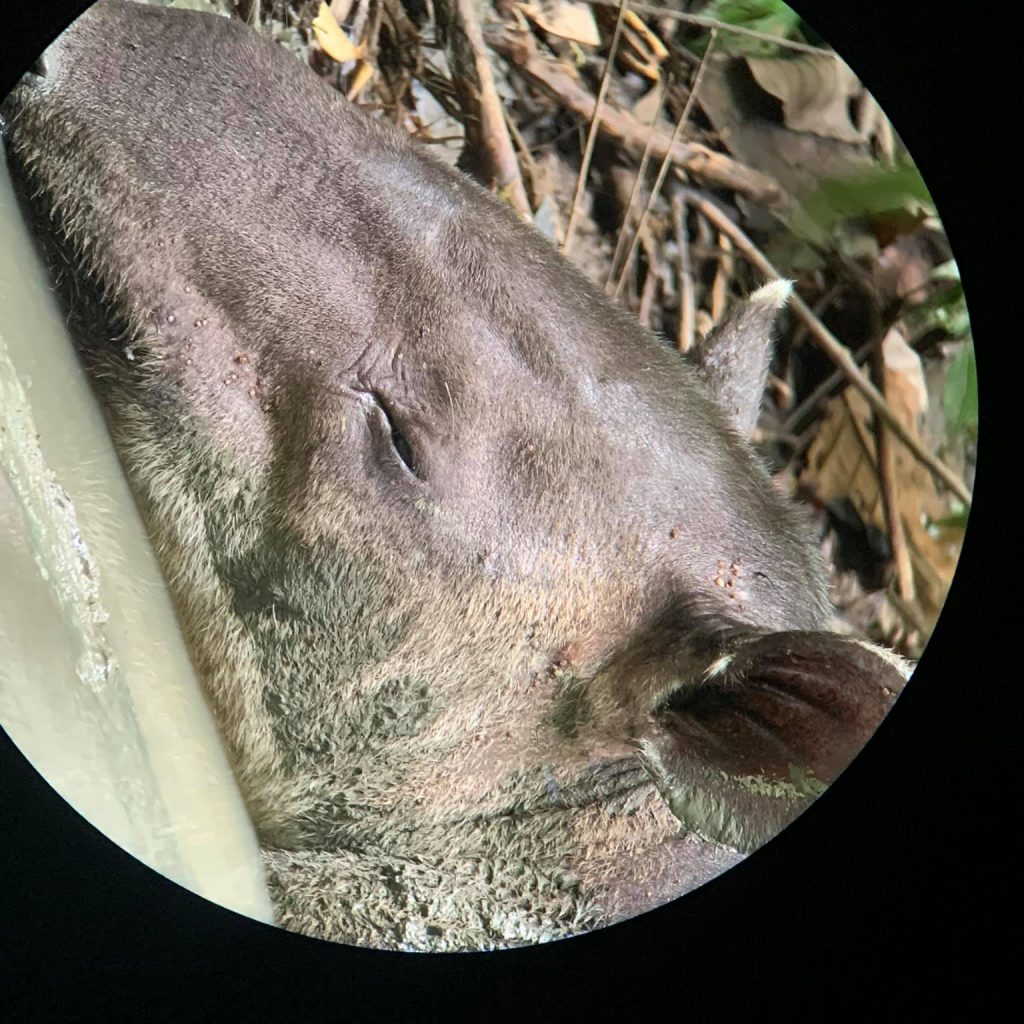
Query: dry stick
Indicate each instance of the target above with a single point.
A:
(908, 613)
(527, 158)
(666, 163)
(723, 275)
(716, 169)
(832, 347)
(650, 284)
(620, 241)
(724, 26)
(687, 303)
(595, 120)
(821, 304)
(486, 134)
(792, 422)
(889, 486)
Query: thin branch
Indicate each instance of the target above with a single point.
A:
(687, 302)
(723, 277)
(723, 26)
(526, 157)
(716, 169)
(794, 421)
(645, 159)
(888, 484)
(595, 120)
(666, 163)
(487, 138)
(832, 347)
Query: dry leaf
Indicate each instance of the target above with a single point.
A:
(655, 47)
(645, 108)
(360, 77)
(798, 160)
(814, 91)
(340, 9)
(332, 40)
(641, 67)
(565, 19)
(842, 463)
(905, 387)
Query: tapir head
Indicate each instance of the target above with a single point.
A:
(504, 625)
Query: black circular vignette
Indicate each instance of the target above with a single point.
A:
(884, 893)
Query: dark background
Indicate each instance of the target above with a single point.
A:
(891, 893)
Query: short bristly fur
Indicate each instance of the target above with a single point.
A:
(505, 628)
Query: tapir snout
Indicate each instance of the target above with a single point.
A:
(504, 625)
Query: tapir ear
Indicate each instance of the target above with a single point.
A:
(735, 356)
(774, 719)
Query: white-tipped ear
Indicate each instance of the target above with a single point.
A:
(774, 294)
(740, 749)
(735, 356)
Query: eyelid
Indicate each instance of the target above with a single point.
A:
(399, 441)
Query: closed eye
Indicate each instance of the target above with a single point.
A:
(399, 442)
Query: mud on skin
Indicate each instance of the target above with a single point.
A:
(448, 533)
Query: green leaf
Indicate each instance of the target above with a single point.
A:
(947, 310)
(769, 16)
(879, 191)
(960, 398)
(954, 521)
(948, 271)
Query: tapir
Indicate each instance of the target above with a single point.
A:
(506, 630)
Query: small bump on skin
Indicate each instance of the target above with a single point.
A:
(418, 706)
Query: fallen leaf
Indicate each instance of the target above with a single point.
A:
(842, 460)
(565, 19)
(905, 388)
(360, 77)
(645, 109)
(332, 39)
(655, 47)
(814, 91)
(797, 160)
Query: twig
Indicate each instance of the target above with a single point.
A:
(820, 305)
(724, 26)
(889, 486)
(650, 285)
(527, 158)
(623, 228)
(487, 137)
(908, 613)
(595, 120)
(666, 162)
(687, 303)
(832, 347)
(716, 169)
(723, 275)
(794, 420)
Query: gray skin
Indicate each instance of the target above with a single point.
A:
(505, 628)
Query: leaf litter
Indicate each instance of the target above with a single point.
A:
(804, 174)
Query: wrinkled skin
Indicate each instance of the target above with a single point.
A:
(505, 627)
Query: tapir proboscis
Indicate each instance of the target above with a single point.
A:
(506, 630)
